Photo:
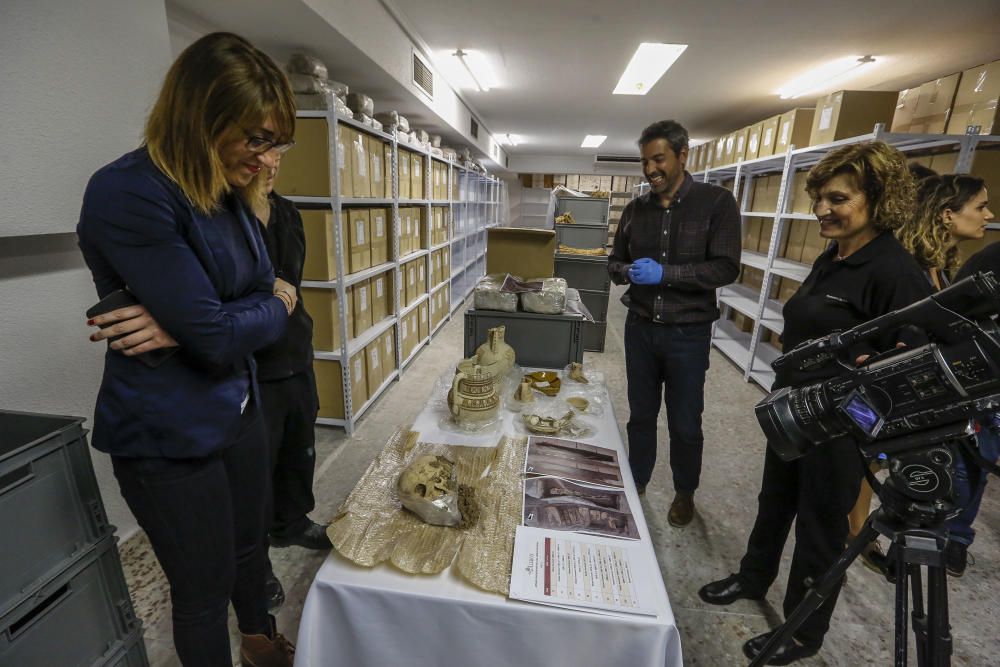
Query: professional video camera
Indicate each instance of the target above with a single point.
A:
(913, 409)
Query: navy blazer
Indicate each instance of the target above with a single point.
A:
(207, 281)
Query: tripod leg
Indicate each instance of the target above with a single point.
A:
(939, 630)
(919, 617)
(902, 575)
(817, 595)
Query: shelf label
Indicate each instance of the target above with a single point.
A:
(358, 374)
(826, 117)
(359, 232)
(374, 357)
(786, 130)
(359, 148)
(378, 287)
(376, 167)
(768, 135)
(364, 298)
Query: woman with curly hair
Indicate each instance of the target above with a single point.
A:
(861, 194)
(952, 208)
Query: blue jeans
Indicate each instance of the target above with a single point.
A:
(666, 363)
(960, 528)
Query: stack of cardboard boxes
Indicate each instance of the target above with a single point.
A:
(439, 224)
(411, 174)
(412, 222)
(440, 267)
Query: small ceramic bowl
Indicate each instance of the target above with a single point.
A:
(546, 382)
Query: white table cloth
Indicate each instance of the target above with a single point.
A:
(381, 617)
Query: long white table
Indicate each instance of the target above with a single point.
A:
(382, 617)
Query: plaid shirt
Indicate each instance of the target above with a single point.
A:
(697, 240)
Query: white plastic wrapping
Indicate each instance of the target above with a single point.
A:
(487, 295)
(551, 300)
(361, 103)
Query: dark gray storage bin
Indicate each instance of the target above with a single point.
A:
(75, 619)
(539, 341)
(594, 334)
(584, 209)
(50, 506)
(584, 273)
(132, 653)
(582, 236)
(596, 303)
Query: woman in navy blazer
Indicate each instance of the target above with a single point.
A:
(186, 437)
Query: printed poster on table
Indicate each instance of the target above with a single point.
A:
(577, 461)
(561, 504)
(577, 571)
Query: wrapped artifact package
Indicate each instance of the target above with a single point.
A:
(436, 140)
(423, 137)
(361, 103)
(428, 487)
(550, 300)
(487, 295)
(300, 63)
(390, 119)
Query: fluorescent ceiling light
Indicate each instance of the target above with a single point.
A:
(825, 76)
(648, 64)
(593, 140)
(509, 139)
(479, 68)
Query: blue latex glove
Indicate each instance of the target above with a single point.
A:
(645, 272)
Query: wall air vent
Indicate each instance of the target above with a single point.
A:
(423, 77)
(474, 129)
(616, 159)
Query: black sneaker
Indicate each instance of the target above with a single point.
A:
(274, 591)
(956, 557)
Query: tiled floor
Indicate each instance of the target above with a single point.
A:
(709, 548)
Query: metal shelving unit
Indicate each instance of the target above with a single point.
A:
(749, 350)
(479, 195)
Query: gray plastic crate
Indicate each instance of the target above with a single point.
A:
(132, 653)
(594, 334)
(584, 210)
(582, 236)
(584, 273)
(50, 506)
(596, 303)
(74, 620)
(539, 341)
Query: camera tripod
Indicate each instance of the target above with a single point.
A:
(912, 516)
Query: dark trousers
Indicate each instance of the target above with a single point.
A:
(817, 491)
(666, 363)
(290, 407)
(970, 482)
(205, 520)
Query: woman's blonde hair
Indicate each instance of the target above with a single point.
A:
(878, 170)
(219, 88)
(927, 236)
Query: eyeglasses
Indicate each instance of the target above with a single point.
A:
(257, 144)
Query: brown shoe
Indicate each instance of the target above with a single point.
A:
(681, 510)
(262, 651)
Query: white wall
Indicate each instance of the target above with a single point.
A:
(76, 81)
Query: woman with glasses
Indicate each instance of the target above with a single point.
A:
(187, 442)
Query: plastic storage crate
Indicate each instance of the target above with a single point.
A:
(585, 210)
(596, 303)
(75, 619)
(582, 236)
(539, 341)
(584, 273)
(594, 334)
(132, 653)
(50, 506)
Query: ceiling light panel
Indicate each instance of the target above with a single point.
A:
(649, 63)
(826, 76)
(593, 140)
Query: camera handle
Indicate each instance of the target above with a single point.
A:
(914, 548)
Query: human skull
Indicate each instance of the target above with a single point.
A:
(428, 477)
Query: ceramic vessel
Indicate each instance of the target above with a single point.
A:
(473, 397)
(495, 356)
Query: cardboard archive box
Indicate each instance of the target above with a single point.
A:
(409, 271)
(766, 230)
(405, 231)
(359, 234)
(388, 357)
(403, 171)
(380, 228)
(934, 104)
(321, 304)
(405, 339)
(306, 170)
(906, 105)
(850, 113)
(976, 101)
(374, 373)
(329, 384)
(797, 230)
(751, 232)
(740, 150)
(753, 141)
(361, 295)
(768, 136)
(321, 261)
(423, 323)
(360, 164)
(813, 244)
(523, 252)
(376, 167)
(421, 276)
(801, 201)
(416, 176)
(381, 296)
(793, 130)
(387, 170)
(434, 308)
